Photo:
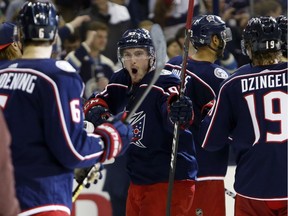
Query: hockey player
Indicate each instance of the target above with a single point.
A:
(9, 205)
(252, 108)
(10, 46)
(209, 35)
(282, 22)
(41, 98)
(148, 159)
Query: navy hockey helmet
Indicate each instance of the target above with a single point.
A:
(205, 26)
(262, 34)
(136, 38)
(282, 22)
(38, 21)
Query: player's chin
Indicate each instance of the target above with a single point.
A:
(135, 79)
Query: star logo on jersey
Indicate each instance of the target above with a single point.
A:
(138, 125)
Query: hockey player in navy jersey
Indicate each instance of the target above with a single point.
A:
(209, 35)
(41, 99)
(10, 46)
(148, 158)
(282, 22)
(252, 108)
(9, 205)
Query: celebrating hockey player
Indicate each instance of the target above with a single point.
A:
(149, 155)
(252, 108)
(41, 99)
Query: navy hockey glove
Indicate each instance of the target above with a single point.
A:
(96, 111)
(116, 136)
(88, 175)
(180, 110)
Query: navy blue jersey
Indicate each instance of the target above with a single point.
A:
(202, 83)
(252, 108)
(149, 155)
(43, 110)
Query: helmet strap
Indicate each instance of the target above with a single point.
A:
(220, 47)
(218, 51)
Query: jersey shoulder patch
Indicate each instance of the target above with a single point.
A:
(65, 66)
(220, 73)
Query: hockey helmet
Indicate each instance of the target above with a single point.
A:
(38, 21)
(262, 34)
(282, 22)
(205, 26)
(136, 38)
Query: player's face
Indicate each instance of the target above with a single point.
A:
(136, 61)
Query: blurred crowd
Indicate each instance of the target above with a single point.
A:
(90, 29)
(80, 19)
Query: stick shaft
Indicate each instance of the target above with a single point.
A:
(181, 93)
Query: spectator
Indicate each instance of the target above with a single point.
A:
(139, 10)
(3, 7)
(173, 48)
(267, 8)
(95, 68)
(115, 16)
(70, 44)
(180, 37)
(171, 15)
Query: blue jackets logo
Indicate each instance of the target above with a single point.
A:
(138, 124)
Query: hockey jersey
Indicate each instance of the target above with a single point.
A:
(252, 108)
(202, 83)
(43, 110)
(149, 155)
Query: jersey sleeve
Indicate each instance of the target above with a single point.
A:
(63, 122)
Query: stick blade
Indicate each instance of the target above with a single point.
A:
(159, 42)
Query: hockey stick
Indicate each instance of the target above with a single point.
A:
(181, 94)
(85, 181)
(159, 43)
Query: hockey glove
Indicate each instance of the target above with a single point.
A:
(180, 110)
(206, 108)
(96, 111)
(89, 175)
(116, 137)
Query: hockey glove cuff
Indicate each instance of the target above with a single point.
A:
(96, 111)
(116, 137)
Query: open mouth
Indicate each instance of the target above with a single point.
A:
(134, 70)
